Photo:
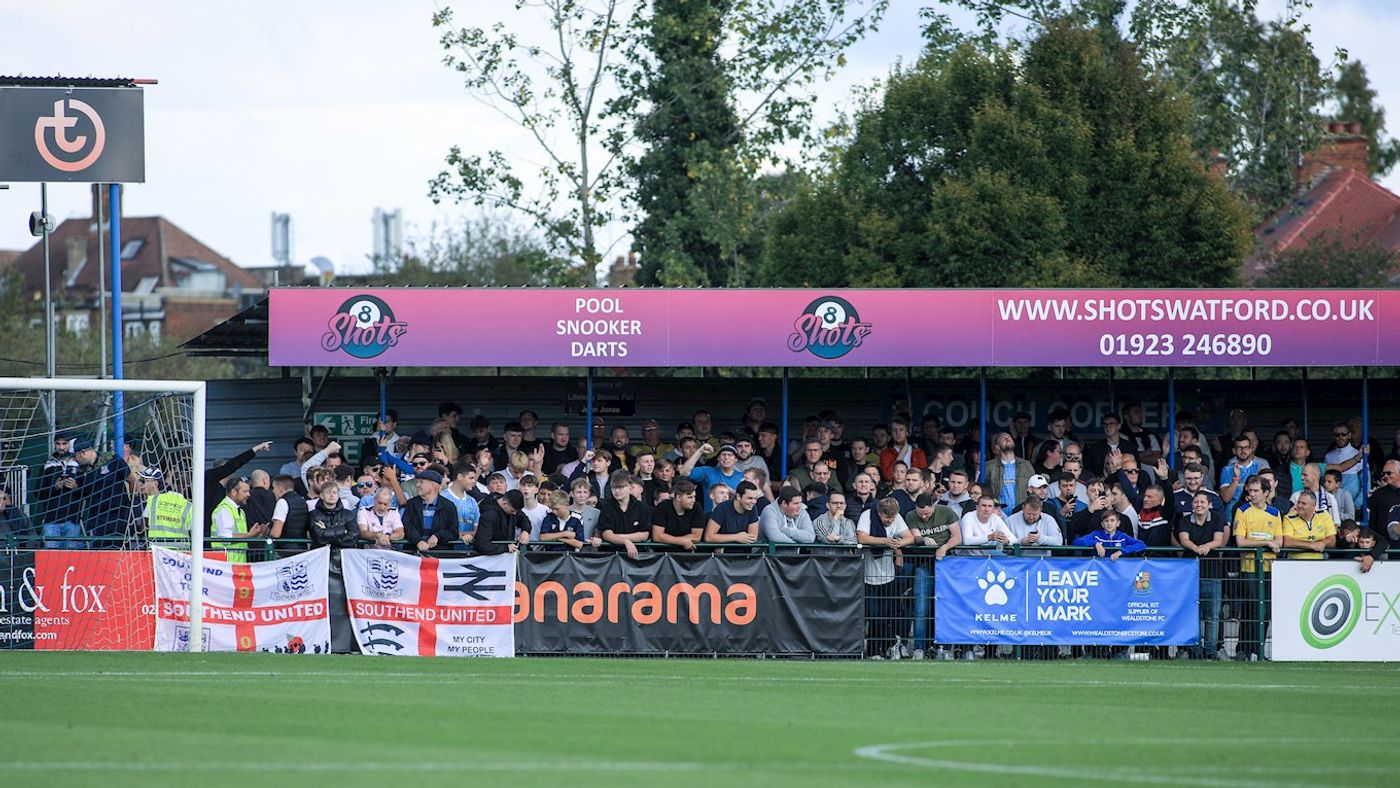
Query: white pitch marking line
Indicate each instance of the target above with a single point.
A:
(886, 753)
(346, 766)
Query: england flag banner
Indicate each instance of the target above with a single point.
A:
(277, 606)
(451, 607)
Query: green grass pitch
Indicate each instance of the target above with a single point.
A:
(259, 720)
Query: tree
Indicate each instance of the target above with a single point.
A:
(1332, 260)
(567, 85)
(1257, 88)
(482, 251)
(1057, 163)
(690, 141)
(1356, 101)
(583, 93)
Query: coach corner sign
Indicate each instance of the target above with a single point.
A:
(80, 135)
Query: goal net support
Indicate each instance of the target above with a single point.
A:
(70, 501)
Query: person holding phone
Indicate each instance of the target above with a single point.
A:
(1031, 525)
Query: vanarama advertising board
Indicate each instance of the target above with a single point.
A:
(1066, 601)
(1332, 611)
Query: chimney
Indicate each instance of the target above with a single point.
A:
(1344, 148)
(77, 253)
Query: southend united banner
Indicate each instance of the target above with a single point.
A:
(1066, 601)
(1331, 611)
(410, 606)
(278, 606)
(86, 600)
(660, 603)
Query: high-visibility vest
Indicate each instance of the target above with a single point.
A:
(170, 520)
(237, 551)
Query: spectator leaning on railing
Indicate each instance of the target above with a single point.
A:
(1201, 532)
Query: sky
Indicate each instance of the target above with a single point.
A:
(328, 109)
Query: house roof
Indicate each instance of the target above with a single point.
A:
(160, 243)
(8, 256)
(244, 334)
(1345, 202)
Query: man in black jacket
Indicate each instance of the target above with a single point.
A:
(429, 520)
(502, 521)
(215, 477)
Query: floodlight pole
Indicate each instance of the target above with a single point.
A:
(50, 342)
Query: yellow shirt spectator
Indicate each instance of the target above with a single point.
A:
(1309, 530)
(1261, 523)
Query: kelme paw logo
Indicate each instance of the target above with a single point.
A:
(995, 586)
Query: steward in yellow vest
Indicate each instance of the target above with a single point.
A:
(167, 512)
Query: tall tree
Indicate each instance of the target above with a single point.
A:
(1056, 162)
(1356, 101)
(577, 92)
(1257, 88)
(725, 84)
(690, 146)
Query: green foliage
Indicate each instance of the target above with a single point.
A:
(1356, 101)
(1332, 260)
(484, 251)
(725, 84)
(1256, 87)
(609, 73)
(1057, 163)
(24, 354)
(563, 93)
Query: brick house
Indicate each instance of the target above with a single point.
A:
(173, 286)
(1337, 196)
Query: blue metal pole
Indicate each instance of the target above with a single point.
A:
(119, 421)
(982, 433)
(1365, 442)
(383, 396)
(1305, 402)
(783, 446)
(588, 416)
(1171, 419)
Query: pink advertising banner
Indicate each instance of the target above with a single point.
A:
(470, 327)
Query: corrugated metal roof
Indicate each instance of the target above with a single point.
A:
(63, 82)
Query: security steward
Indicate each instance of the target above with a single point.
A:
(167, 511)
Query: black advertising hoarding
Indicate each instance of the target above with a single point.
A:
(78, 135)
(670, 603)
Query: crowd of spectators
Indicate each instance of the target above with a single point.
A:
(903, 494)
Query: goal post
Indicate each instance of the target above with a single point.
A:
(14, 430)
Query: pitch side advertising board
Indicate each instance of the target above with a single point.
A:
(1331, 611)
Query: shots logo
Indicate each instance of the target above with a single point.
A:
(828, 328)
(363, 327)
(1330, 611)
(62, 131)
